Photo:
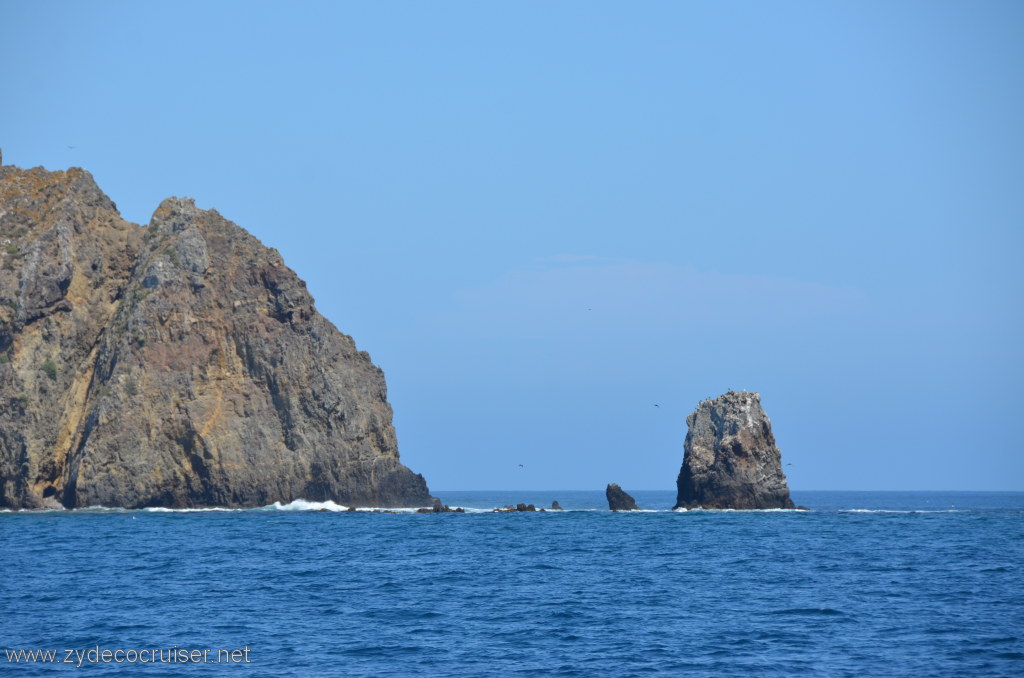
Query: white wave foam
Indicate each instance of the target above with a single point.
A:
(303, 505)
(869, 511)
(379, 509)
(164, 509)
(903, 511)
(709, 510)
(329, 505)
(546, 510)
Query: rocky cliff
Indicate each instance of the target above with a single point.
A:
(730, 459)
(181, 364)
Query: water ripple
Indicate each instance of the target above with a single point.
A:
(582, 593)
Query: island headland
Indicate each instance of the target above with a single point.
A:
(730, 459)
(181, 364)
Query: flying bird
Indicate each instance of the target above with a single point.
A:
(657, 405)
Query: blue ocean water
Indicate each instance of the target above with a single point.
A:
(866, 584)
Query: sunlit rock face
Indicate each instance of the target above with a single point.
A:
(177, 365)
(730, 459)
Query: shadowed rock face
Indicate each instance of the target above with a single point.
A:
(618, 499)
(179, 365)
(730, 459)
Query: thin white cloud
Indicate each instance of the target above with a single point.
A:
(569, 259)
(647, 297)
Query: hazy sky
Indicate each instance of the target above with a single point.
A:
(542, 218)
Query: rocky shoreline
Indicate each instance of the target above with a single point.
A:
(184, 365)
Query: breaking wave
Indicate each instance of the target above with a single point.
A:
(331, 506)
(706, 510)
(303, 505)
(164, 509)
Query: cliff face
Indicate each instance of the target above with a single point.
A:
(730, 459)
(181, 364)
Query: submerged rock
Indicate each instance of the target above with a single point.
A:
(730, 459)
(177, 365)
(438, 507)
(618, 499)
(518, 508)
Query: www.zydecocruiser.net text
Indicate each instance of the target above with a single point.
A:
(79, 657)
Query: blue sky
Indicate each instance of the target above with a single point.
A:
(541, 218)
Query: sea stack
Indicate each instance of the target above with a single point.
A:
(730, 459)
(181, 364)
(618, 499)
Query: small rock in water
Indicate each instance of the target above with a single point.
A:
(438, 507)
(555, 506)
(618, 499)
(518, 508)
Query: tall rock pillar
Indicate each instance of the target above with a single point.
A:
(730, 459)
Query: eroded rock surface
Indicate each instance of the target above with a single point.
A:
(178, 365)
(730, 459)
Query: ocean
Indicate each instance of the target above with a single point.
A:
(866, 584)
